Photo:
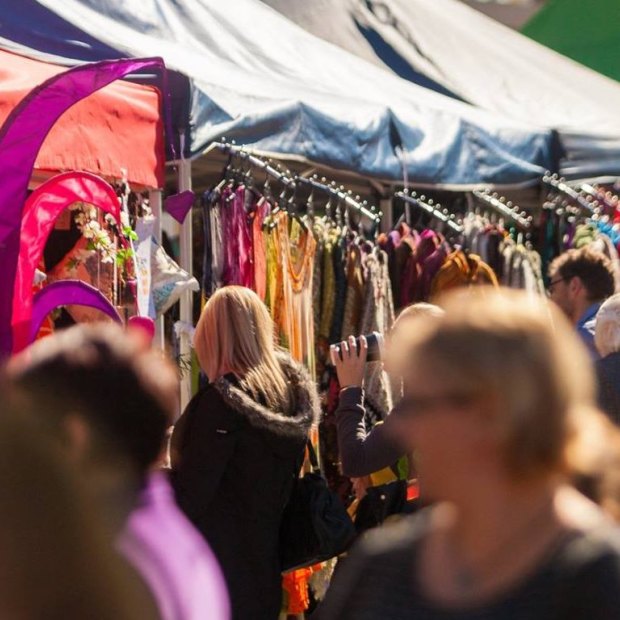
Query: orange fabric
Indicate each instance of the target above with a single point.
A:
(119, 127)
(295, 585)
(460, 269)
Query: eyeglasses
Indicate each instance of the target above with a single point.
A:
(553, 283)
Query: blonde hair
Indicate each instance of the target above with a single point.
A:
(519, 351)
(236, 334)
(418, 310)
(607, 332)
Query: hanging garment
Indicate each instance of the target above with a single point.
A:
(274, 285)
(238, 265)
(378, 315)
(259, 247)
(462, 270)
(405, 271)
(207, 257)
(328, 295)
(340, 276)
(296, 256)
(354, 292)
(318, 227)
(388, 243)
(430, 268)
(412, 288)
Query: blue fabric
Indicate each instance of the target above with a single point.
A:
(454, 49)
(259, 79)
(586, 327)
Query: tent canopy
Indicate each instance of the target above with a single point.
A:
(452, 48)
(114, 133)
(588, 32)
(261, 80)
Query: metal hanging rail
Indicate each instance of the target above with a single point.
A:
(598, 196)
(433, 209)
(257, 162)
(290, 181)
(559, 184)
(505, 208)
(338, 192)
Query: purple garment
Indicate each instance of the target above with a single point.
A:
(427, 245)
(431, 267)
(172, 557)
(239, 263)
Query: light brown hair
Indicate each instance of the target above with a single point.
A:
(520, 351)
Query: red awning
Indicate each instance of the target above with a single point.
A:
(117, 129)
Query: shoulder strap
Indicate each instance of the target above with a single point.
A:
(314, 461)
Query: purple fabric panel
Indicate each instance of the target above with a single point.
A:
(172, 557)
(21, 137)
(68, 293)
(179, 205)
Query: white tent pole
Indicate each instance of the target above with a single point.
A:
(155, 202)
(185, 183)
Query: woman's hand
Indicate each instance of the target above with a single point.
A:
(351, 362)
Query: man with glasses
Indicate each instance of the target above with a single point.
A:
(579, 282)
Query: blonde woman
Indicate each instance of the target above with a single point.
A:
(499, 404)
(239, 445)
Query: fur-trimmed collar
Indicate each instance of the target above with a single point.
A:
(294, 424)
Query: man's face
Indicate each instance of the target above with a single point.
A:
(560, 293)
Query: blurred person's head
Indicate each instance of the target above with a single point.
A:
(579, 278)
(499, 385)
(405, 323)
(597, 474)
(607, 332)
(55, 562)
(235, 334)
(103, 395)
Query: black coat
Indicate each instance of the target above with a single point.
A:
(608, 375)
(234, 463)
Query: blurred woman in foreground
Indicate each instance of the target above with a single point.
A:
(499, 399)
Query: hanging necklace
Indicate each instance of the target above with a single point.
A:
(468, 577)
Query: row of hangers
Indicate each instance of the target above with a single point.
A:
(339, 200)
(499, 204)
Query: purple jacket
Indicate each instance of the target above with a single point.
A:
(172, 557)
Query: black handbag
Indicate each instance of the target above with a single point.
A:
(315, 524)
(383, 501)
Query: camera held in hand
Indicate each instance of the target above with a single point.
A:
(375, 347)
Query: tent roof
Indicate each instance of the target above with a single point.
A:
(463, 52)
(114, 130)
(258, 78)
(588, 32)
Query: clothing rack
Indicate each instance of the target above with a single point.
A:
(293, 181)
(505, 208)
(340, 194)
(559, 185)
(257, 162)
(430, 208)
(599, 197)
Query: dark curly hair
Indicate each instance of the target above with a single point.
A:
(593, 268)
